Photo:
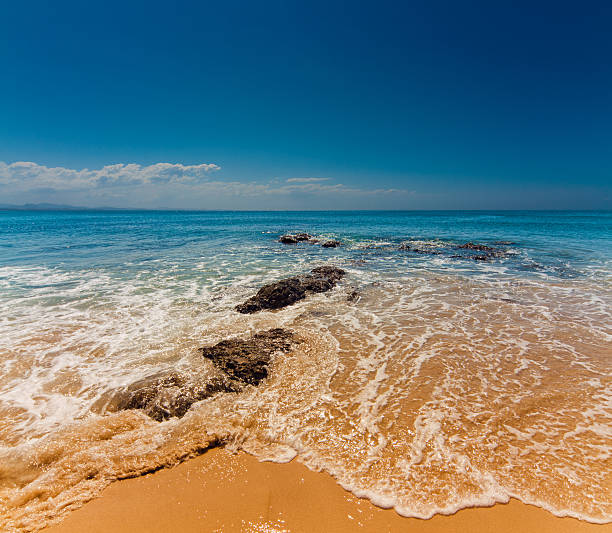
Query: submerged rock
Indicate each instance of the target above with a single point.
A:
(477, 247)
(167, 394)
(504, 243)
(247, 360)
(488, 251)
(288, 291)
(294, 238)
(331, 244)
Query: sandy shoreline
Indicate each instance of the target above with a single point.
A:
(220, 492)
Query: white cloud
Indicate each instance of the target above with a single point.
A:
(25, 175)
(168, 184)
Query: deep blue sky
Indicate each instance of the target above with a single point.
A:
(450, 104)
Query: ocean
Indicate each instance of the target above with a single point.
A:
(433, 377)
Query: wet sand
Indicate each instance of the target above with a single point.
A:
(224, 492)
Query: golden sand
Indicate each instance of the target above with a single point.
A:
(224, 492)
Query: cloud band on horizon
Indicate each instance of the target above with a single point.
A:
(117, 183)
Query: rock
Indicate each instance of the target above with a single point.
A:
(331, 244)
(288, 291)
(424, 251)
(504, 243)
(167, 394)
(476, 247)
(418, 249)
(171, 394)
(353, 296)
(247, 360)
(294, 238)
(331, 273)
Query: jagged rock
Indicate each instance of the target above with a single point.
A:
(171, 394)
(294, 238)
(330, 272)
(288, 291)
(167, 394)
(247, 360)
(331, 244)
(477, 247)
(489, 252)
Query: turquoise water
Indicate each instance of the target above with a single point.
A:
(558, 243)
(456, 378)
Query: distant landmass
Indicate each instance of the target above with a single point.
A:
(55, 207)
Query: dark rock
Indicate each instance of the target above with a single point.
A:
(168, 394)
(288, 291)
(353, 296)
(422, 249)
(331, 244)
(247, 360)
(331, 273)
(476, 247)
(294, 238)
(480, 257)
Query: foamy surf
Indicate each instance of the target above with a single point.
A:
(446, 384)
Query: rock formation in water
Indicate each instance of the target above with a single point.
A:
(294, 238)
(477, 247)
(167, 394)
(247, 360)
(241, 362)
(488, 251)
(288, 291)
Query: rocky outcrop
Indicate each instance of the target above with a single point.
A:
(291, 290)
(240, 362)
(476, 247)
(167, 394)
(488, 252)
(294, 238)
(247, 360)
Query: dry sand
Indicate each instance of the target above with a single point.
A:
(225, 492)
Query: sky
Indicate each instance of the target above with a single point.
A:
(307, 104)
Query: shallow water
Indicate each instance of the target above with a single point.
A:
(448, 382)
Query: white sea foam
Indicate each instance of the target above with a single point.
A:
(433, 392)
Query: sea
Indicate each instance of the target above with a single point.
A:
(432, 378)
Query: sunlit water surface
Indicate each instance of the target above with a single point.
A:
(427, 382)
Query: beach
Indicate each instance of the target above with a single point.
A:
(223, 492)
(415, 369)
